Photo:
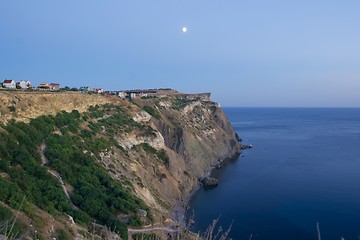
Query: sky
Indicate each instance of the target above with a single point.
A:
(247, 53)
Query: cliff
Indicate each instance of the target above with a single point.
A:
(157, 148)
(196, 136)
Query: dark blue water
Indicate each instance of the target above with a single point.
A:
(304, 168)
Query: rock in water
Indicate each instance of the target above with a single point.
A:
(210, 182)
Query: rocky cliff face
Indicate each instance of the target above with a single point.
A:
(174, 140)
(196, 136)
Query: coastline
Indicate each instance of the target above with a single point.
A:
(179, 212)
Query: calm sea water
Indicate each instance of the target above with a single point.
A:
(304, 168)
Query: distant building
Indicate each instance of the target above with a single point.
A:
(97, 90)
(43, 85)
(24, 84)
(55, 86)
(122, 95)
(112, 92)
(9, 84)
(132, 95)
(143, 95)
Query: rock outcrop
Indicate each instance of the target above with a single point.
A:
(210, 182)
(197, 136)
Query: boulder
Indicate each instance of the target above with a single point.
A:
(210, 182)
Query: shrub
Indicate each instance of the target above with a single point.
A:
(73, 128)
(6, 220)
(62, 234)
(179, 103)
(152, 112)
(5, 214)
(119, 228)
(149, 149)
(97, 195)
(12, 108)
(162, 155)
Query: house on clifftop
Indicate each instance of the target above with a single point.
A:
(54, 86)
(43, 85)
(9, 84)
(24, 84)
(122, 95)
(97, 90)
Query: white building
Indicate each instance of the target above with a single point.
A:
(55, 86)
(122, 95)
(9, 84)
(24, 84)
(43, 85)
(143, 95)
(132, 95)
(98, 90)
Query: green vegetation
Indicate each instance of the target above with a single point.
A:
(148, 97)
(5, 214)
(62, 234)
(12, 108)
(20, 160)
(149, 149)
(10, 226)
(95, 112)
(96, 194)
(152, 112)
(162, 155)
(118, 123)
(7, 219)
(179, 103)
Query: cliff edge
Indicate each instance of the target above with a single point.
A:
(156, 147)
(197, 136)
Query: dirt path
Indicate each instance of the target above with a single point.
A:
(42, 148)
(45, 161)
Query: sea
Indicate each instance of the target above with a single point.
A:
(301, 179)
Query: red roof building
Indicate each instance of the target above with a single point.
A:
(54, 86)
(9, 84)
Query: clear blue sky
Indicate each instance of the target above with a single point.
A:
(246, 52)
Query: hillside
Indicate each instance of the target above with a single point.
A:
(23, 106)
(122, 163)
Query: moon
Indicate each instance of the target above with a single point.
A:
(184, 29)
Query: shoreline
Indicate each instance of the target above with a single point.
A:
(180, 209)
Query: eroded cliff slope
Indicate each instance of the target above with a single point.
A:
(156, 148)
(196, 136)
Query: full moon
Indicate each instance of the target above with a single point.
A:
(184, 29)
